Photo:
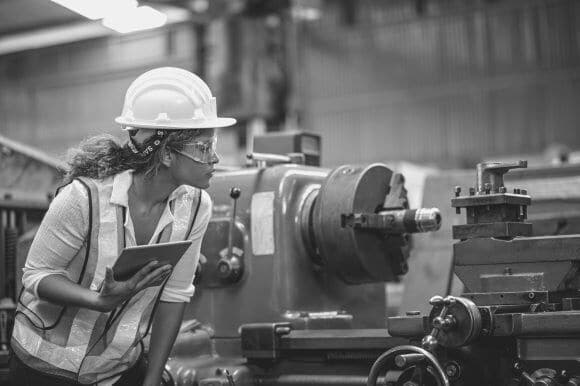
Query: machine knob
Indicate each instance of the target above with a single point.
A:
(229, 269)
(455, 322)
(235, 193)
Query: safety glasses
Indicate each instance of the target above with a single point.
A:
(203, 152)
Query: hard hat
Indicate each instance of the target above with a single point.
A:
(170, 98)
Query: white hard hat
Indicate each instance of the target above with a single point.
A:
(170, 98)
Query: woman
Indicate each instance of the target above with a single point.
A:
(75, 324)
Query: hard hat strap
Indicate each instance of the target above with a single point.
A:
(148, 146)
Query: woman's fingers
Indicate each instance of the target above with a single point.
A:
(158, 274)
(142, 273)
(109, 277)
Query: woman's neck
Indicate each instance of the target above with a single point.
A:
(153, 190)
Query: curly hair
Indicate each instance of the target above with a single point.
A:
(103, 155)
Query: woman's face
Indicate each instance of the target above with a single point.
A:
(194, 165)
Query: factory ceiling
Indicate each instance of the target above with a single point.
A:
(18, 16)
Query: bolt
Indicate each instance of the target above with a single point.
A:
(400, 361)
(223, 268)
(438, 322)
(452, 370)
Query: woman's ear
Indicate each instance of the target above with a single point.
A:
(168, 158)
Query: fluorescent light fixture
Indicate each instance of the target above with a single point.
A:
(95, 9)
(125, 20)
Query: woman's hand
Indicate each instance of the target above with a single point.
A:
(113, 292)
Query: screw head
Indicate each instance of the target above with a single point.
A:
(452, 370)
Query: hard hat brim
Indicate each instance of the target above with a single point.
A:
(183, 125)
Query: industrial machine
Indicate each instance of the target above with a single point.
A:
(291, 287)
(291, 284)
(518, 322)
(28, 178)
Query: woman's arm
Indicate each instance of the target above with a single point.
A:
(166, 323)
(60, 290)
(59, 238)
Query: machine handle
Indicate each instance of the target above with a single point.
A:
(229, 267)
(235, 193)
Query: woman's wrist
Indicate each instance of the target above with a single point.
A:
(94, 301)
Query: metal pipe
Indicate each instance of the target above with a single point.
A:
(314, 380)
(266, 157)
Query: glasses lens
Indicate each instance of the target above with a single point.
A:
(202, 151)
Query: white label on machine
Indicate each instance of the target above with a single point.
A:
(263, 223)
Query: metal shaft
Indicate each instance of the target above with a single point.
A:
(398, 221)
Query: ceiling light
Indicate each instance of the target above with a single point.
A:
(125, 20)
(95, 9)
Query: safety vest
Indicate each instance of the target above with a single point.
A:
(81, 344)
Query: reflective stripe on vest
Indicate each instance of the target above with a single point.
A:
(85, 345)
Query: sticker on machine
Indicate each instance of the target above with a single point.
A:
(263, 223)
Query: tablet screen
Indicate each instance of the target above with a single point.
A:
(132, 259)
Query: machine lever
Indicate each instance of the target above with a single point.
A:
(230, 267)
(235, 193)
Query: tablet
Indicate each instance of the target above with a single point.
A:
(132, 259)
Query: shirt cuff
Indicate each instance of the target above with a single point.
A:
(30, 281)
(177, 295)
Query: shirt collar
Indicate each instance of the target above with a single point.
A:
(122, 182)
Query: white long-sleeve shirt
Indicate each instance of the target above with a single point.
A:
(63, 232)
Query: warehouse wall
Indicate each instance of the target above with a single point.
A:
(448, 84)
(53, 97)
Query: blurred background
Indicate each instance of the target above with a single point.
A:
(442, 83)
